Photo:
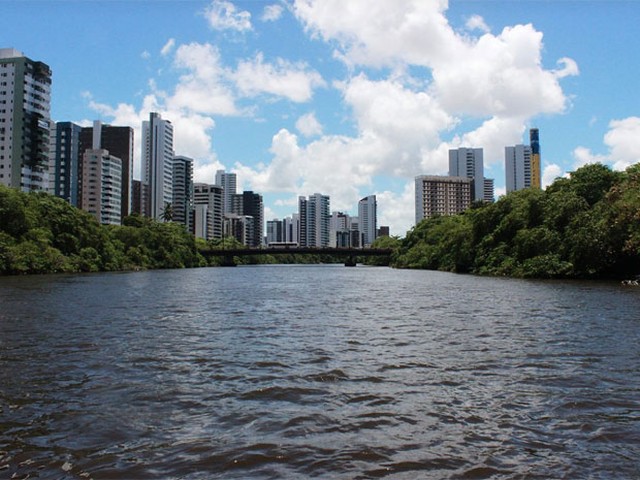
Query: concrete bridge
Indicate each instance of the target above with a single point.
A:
(350, 254)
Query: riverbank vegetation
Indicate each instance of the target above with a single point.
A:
(40, 233)
(583, 226)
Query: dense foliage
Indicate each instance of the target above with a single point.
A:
(40, 233)
(586, 225)
(382, 242)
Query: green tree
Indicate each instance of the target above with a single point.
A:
(392, 242)
(167, 213)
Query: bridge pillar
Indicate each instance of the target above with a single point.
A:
(228, 261)
(350, 261)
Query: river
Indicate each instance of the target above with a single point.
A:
(305, 371)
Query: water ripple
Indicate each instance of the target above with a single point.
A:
(317, 372)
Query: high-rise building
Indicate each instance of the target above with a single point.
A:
(439, 195)
(250, 204)
(368, 219)
(534, 141)
(340, 230)
(240, 227)
(101, 183)
(275, 231)
(522, 164)
(207, 211)
(517, 167)
(356, 236)
(468, 162)
(66, 162)
(136, 194)
(315, 220)
(182, 202)
(292, 228)
(489, 190)
(118, 141)
(157, 165)
(228, 182)
(25, 98)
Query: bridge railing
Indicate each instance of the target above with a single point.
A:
(240, 252)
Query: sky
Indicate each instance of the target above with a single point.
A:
(346, 98)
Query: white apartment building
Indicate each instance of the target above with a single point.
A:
(228, 181)
(25, 99)
(314, 220)
(157, 165)
(517, 167)
(469, 162)
(368, 219)
(207, 204)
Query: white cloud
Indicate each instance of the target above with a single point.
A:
(191, 132)
(335, 165)
(308, 125)
(403, 125)
(293, 81)
(492, 136)
(497, 81)
(486, 76)
(622, 142)
(223, 15)
(145, 55)
(269, 215)
(550, 173)
(583, 156)
(272, 13)
(499, 76)
(204, 88)
(476, 22)
(379, 33)
(569, 68)
(396, 210)
(168, 47)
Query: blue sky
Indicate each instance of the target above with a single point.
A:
(346, 98)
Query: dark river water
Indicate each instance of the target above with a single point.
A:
(327, 372)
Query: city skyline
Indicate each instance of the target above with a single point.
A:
(295, 103)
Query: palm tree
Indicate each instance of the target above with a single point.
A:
(167, 213)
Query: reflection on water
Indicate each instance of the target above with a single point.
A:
(317, 372)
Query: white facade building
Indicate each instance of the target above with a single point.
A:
(368, 220)
(292, 229)
(157, 165)
(207, 202)
(25, 99)
(314, 220)
(228, 181)
(489, 190)
(469, 162)
(517, 167)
